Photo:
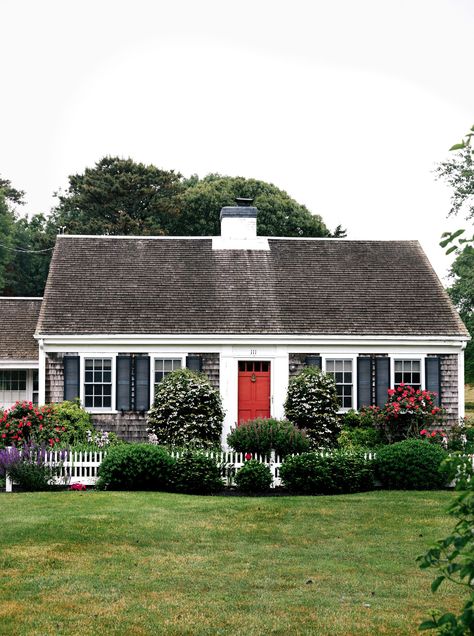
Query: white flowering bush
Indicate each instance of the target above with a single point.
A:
(312, 404)
(187, 411)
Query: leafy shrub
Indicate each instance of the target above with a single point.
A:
(51, 424)
(312, 404)
(253, 477)
(317, 474)
(453, 557)
(29, 468)
(196, 473)
(411, 465)
(187, 411)
(76, 420)
(136, 467)
(408, 411)
(360, 437)
(461, 437)
(262, 435)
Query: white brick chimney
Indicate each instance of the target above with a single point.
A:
(239, 228)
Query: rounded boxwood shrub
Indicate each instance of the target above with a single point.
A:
(312, 404)
(136, 467)
(411, 465)
(317, 474)
(253, 477)
(196, 473)
(359, 437)
(262, 435)
(187, 411)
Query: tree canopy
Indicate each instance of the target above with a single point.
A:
(462, 294)
(121, 197)
(279, 214)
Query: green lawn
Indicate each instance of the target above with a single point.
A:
(155, 563)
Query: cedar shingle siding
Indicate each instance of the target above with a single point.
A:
(106, 285)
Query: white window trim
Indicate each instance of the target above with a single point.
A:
(353, 358)
(421, 357)
(102, 355)
(163, 356)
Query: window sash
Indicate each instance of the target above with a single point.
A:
(98, 383)
(408, 372)
(164, 366)
(341, 370)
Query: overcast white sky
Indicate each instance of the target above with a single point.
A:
(347, 105)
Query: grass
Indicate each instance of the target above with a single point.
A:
(156, 563)
(469, 400)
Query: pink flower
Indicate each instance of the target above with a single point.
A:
(423, 432)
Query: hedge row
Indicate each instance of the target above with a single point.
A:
(411, 464)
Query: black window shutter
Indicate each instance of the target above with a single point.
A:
(433, 377)
(123, 377)
(364, 382)
(194, 363)
(314, 361)
(142, 383)
(71, 377)
(382, 380)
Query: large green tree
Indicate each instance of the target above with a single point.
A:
(119, 196)
(458, 172)
(279, 214)
(462, 294)
(9, 197)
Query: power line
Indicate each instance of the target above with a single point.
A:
(25, 251)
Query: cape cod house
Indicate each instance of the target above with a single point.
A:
(119, 313)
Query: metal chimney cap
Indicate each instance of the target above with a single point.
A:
(243, 202)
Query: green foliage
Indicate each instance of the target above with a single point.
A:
(312, 404)
(329, 473)
(29, 467)
(6, 231)
(51, 424)
(359, 437)
(279, 214)
(196, 474)
(76, 420)
(187, 411)
(411, 465)
(33, 240)
(453, 557)
(136, 467)
(262, 435)
(121, 197)
(462, 295)
(253, 477)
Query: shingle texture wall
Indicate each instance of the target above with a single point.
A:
(449, 386)
(210, 366)
(130, 427)
(105, 285)
(18, 318)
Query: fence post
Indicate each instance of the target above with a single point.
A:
(8, 483)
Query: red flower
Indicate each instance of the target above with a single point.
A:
(248, 456)
(423, 432)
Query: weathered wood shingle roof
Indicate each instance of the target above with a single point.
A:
(110, 285)
(18, 318)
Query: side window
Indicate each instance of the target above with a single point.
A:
(163, 366)
(408, 372)
(98, 383)
(12, 386)
(341, 371)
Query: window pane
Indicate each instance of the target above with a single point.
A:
(168, 365)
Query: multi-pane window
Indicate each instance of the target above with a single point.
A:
(13, 386)
(98, 383)
(163, 366)
(408, 372)
(341, 371)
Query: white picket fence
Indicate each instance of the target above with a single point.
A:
(82, 467)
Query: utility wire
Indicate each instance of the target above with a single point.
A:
(24, 251)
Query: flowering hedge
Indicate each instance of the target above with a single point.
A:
(407, 412)
(312, 404)
(187, 411)
(50, 425)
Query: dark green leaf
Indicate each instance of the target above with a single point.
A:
(436, 583)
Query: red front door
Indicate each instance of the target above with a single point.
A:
(254, 390)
